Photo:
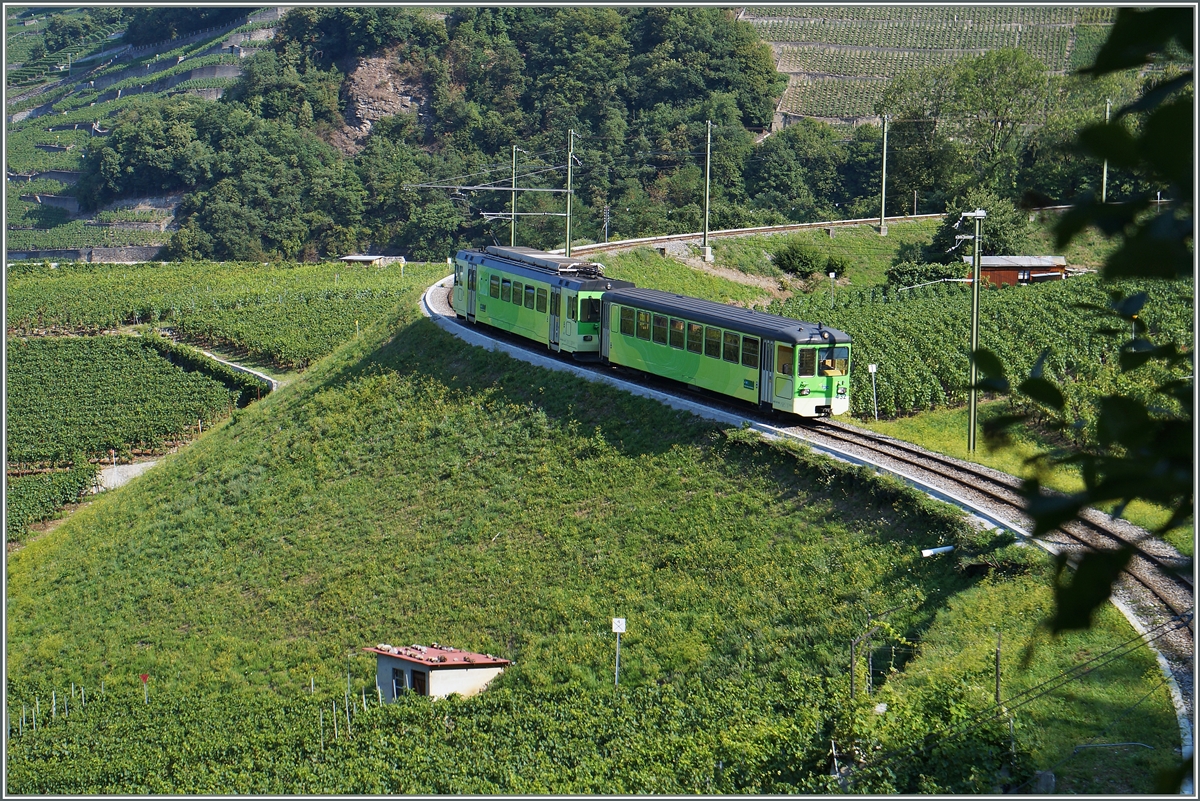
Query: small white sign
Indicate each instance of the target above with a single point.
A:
(618, 625)
(870, 368)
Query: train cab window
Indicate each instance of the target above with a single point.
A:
(677, 333)
(695, 337)
(660, 329)
(530, 296)
(750, 352)
(808, 362)
(643, 325)
(541, 301)
(783, 359)
(733, 347)
(517, 292)
(712, 342)
(458, 273)
(589, 310)
(505, 289)
(627, 321)
(571, 313)
(834, 361)
(494, 286)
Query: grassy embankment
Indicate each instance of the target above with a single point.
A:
(412, 488)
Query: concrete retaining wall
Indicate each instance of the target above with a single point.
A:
(125, 255)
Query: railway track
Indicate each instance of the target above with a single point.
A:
(1156, 592)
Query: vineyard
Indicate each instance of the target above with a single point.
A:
(91, 394)
(290, 315)
(919, 339)
(832, 97)
(75, 234)
(858, 62)
(1032, 14)
(23, 214)
(822, 47)
(32, 498)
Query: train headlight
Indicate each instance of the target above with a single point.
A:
(841, 391)
(804, 391)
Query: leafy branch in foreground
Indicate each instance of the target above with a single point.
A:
(1144, 449)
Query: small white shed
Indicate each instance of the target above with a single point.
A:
(433, 670)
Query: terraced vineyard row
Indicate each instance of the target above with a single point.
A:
(73, 235)
(1049, 45)
(849, 61)
(1032, 14)
(832, 97)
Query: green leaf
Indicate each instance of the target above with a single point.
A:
(1042, 391)
(1137, 34)
(1091, 586)
(1122, 420)
(1170, 780)
(1112, 142)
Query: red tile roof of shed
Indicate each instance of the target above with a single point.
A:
(441, 656)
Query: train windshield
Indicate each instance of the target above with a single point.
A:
(589, 310)
(833, 361)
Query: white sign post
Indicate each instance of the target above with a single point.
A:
(874, 397)
(618, 629)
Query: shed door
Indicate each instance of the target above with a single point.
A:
(471, 275)
(555, 310)
(420, 682)
(766, 383)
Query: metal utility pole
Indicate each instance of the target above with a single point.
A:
(978, 215)
(832, 276)
(570, 159)
(1104, 180)
(883, 181)
(512, 229)
(707, 184)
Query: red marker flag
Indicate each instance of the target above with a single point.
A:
(145, 678)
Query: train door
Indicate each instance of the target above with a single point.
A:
(471, 278)
(766, 383)
(555, 309)
(785, 361)
(569, 323)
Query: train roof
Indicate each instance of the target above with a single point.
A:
(748, 321)
(539, 265)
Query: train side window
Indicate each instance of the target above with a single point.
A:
(783, 359)
(589, 310)
(541, 301)
(712, 342)
(733, 347)
(518, 291)
(676, 333)
(470, 280)
(530, 296)
(643, 325)
(660, 329)
(505, 289)
(808, 362)
(571, 314)
(627, 321)
(750, 352)
(494, 286)
(695, 337)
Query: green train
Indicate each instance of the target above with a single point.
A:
(568, 305)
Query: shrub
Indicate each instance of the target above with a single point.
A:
(800, 258)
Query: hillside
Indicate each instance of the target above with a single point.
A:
(839, 58)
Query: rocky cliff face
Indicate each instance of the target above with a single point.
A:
(376, 88)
